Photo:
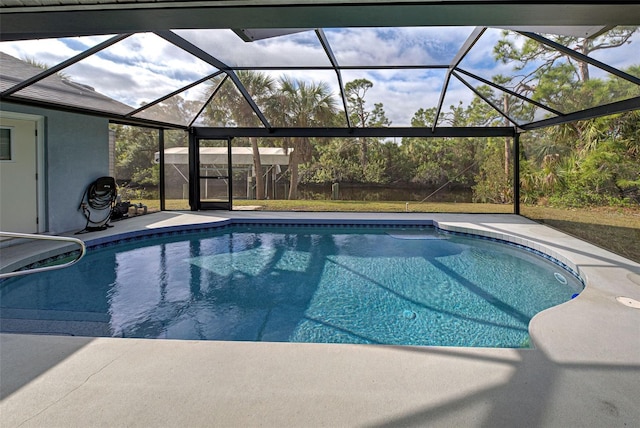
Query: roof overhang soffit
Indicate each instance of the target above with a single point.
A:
(109, 17)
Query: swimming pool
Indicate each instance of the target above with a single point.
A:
(384, 284)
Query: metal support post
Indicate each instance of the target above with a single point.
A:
(516, 173)
(194, 173)
(161, 168)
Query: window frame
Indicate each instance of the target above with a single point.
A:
(11, 157)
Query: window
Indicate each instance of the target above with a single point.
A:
(6, 152)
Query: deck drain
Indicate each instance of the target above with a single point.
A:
(628, 301)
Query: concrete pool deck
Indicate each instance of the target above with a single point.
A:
(584, 370)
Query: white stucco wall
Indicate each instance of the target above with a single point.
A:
(76, 153)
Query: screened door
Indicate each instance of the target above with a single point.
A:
(214, 174)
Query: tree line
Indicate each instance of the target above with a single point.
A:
(595, 161)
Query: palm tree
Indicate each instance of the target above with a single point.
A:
(229, 108)
(302, 104)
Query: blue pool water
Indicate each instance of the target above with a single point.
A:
(380, 285)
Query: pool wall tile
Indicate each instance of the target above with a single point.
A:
(521, 243)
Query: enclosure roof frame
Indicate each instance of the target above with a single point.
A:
(386, 132)
(38, 19)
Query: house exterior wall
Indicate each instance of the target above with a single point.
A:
(76, 153)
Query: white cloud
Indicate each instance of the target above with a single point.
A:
(290, 50)
(138, 69)
(144, 67)
(47, 51)
(396, 46)
(621, 57)
(480, 60)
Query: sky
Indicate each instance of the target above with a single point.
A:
(145, 67)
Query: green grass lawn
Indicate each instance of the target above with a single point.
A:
(616, 229)
(613, 228)
(374, 206)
